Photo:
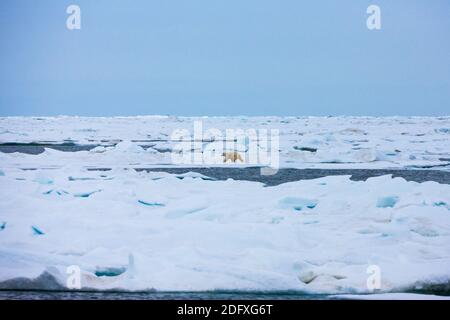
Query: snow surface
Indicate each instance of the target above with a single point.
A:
(305, 142)
(133, 230)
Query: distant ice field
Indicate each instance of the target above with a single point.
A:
(304, 142)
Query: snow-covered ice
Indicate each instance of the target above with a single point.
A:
(304, 142)
(157, 231)
(130, 230)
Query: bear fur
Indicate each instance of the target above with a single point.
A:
(232, 155)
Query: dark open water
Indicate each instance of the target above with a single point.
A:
(289, 175)
(67, 295)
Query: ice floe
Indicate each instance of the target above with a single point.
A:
(304, 142)
(155, 231)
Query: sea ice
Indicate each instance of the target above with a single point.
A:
(222, 235)
(37, 231)
(297, 204)
(387, 202)
(304, 142)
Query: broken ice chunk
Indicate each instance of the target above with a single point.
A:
(128, 147)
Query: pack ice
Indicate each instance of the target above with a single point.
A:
(156, 231)
(304, 142)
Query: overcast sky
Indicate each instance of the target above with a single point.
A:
(224, 57)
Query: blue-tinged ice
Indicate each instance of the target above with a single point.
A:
(110, 271)
(297, 204)
(387, 202)
(309, 149)
(85, 194)
(80, 179)
(276, 220)
(151, 204)
(425, 232)
(43, 180)
(37, 231)
(441, 204)
(58, 192)
(442, 130)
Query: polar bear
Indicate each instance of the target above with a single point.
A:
(232, 155)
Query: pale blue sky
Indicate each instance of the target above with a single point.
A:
(224, 57)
